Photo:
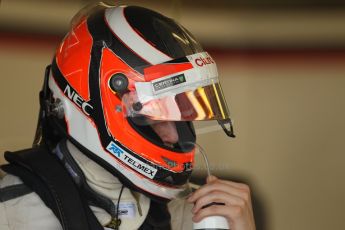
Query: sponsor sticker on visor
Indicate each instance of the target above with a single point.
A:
(131, 161)
(169, 82)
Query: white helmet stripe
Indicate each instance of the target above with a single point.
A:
(119, 25)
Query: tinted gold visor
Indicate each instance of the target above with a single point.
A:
(203, 103)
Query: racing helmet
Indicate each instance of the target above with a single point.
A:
(119, 71)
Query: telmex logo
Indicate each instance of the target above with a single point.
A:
(112, 147)
(131, 161)
(203, 61)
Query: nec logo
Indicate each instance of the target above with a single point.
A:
(204, 61)
(78, 100)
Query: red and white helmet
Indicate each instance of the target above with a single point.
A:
(118, 71)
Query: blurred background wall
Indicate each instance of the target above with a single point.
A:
(282, 66)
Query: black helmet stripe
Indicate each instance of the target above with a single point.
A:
(101, 33)
(118, 23)
(164, 33)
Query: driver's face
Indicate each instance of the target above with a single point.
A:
(166, 130)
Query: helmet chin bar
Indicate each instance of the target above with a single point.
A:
(226, 124)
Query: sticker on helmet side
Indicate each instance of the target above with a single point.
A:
(77, 100)
(131, 161)
(169, 82)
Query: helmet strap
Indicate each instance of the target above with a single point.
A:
(41, 123)
(45, 134)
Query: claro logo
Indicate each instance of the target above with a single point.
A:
(78, 100)
(204, 61)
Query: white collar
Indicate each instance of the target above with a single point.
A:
(108, 185)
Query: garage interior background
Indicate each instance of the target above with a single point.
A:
(282, 66)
